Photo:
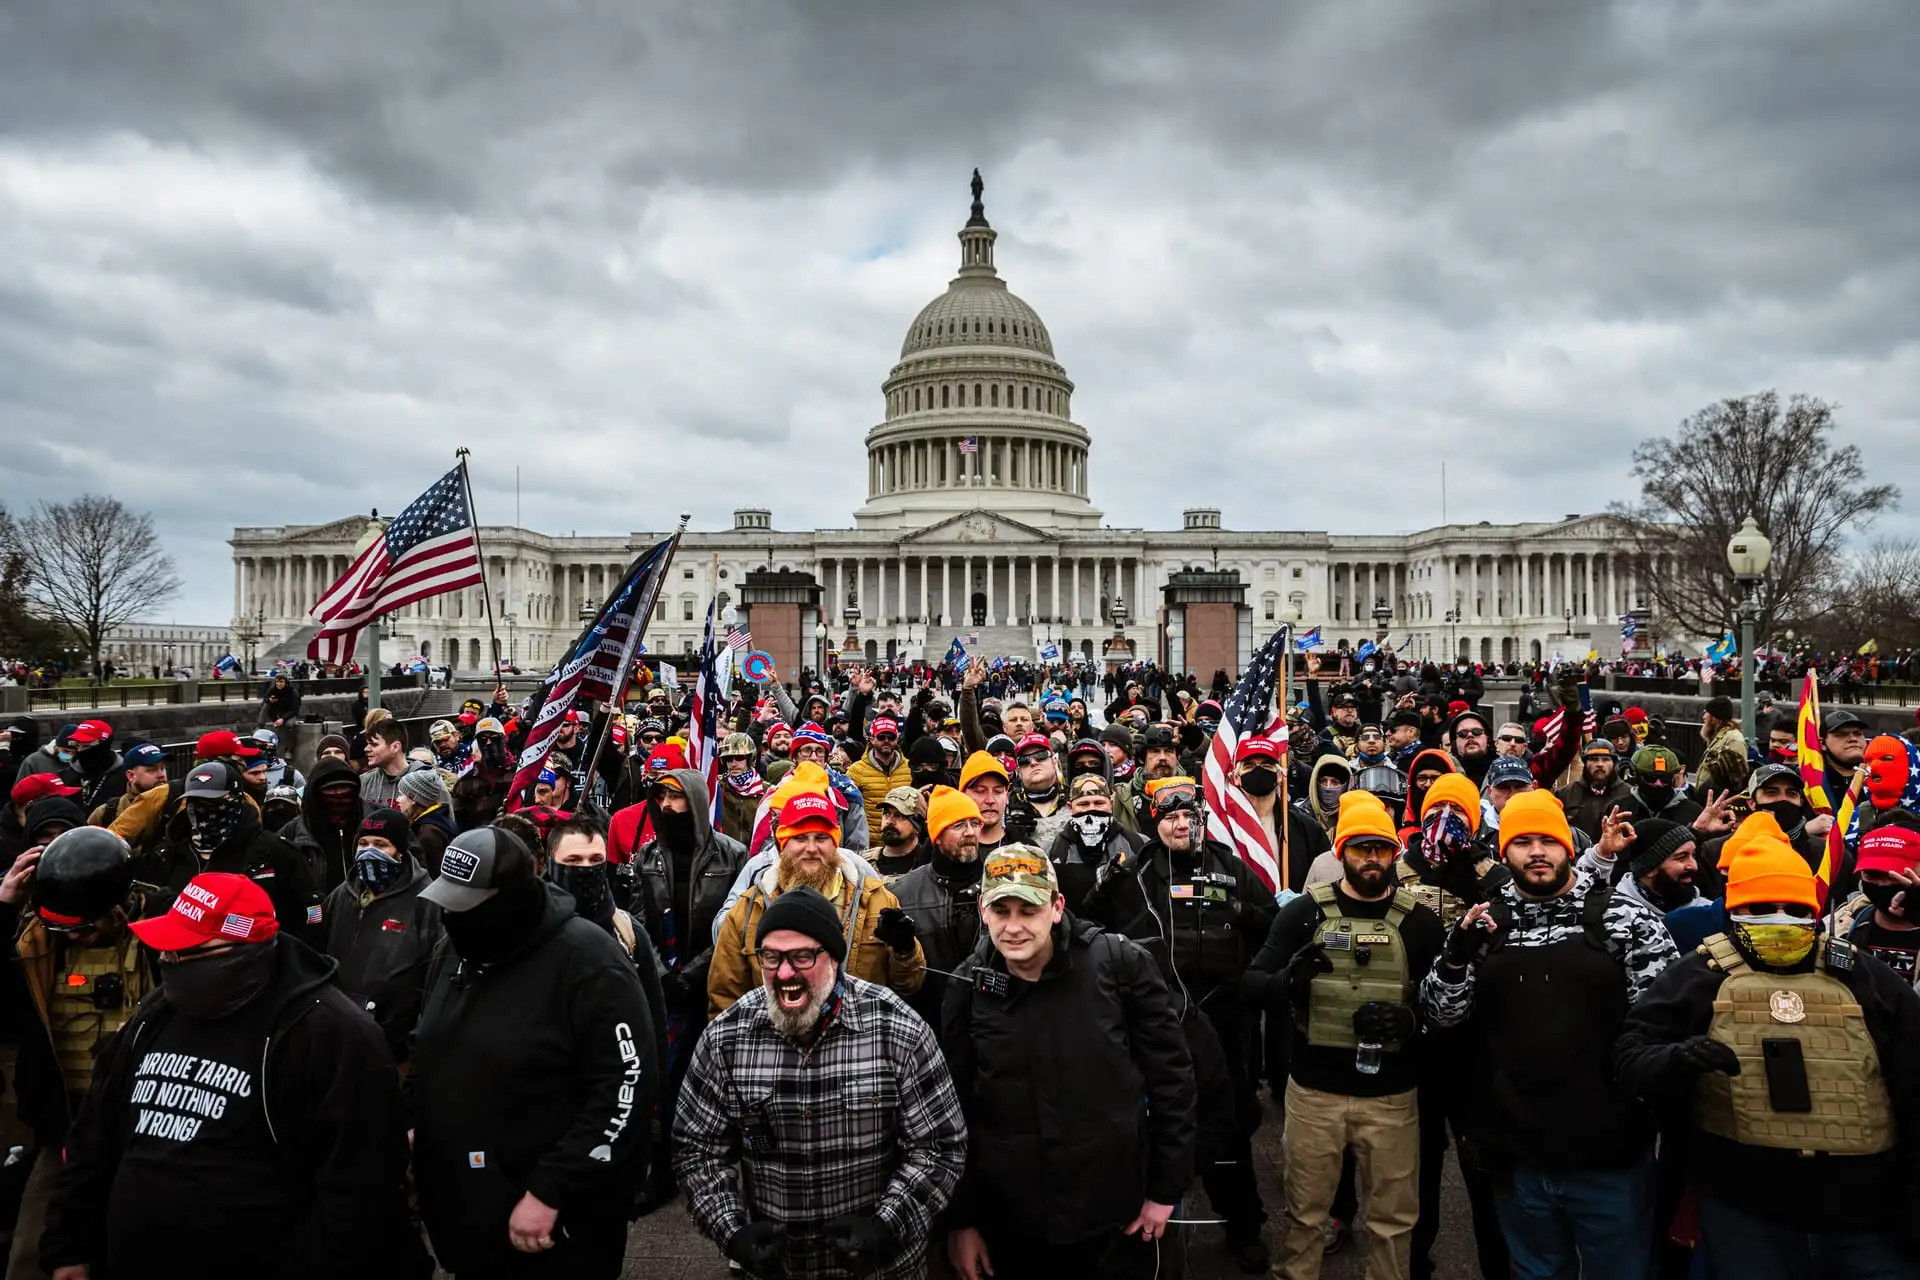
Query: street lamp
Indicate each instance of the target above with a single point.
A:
(1452, 618)
(1748, 555)
(1381, 615)
(513, 640)
(820, 647)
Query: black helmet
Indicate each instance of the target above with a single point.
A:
(1385, 781)
(84, 874)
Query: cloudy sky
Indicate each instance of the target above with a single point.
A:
(265, 263)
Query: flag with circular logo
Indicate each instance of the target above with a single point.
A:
(757, 666)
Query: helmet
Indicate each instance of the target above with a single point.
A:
(1382, 780)
(83, 874)
(737, 744)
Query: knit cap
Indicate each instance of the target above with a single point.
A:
(946, 807)
(1768, 869)
(425, 787)
(1535, 813)
(1362, 816)
(805, 910)
(1654, 841)
(979, 765)
(1456, 789)
(1756, 827)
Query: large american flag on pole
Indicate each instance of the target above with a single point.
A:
(595, 665)
(703, 729)
(428, 550)
(1249, 713)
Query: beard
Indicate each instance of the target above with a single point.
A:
(797, 1021)
(1367, 879)
(893, 837)
(794, 872)
(965, 849)
(1534, 888)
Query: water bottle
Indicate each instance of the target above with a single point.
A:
(1366, 1058)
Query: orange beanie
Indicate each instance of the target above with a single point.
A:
(1362, 814)
(1456, 789)
(1754, 828)
(1767, 869)
(1535, 813)
(946, 807)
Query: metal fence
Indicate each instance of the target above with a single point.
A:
(165, 692)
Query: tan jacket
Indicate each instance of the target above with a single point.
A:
(735, 969)
(1724, 765)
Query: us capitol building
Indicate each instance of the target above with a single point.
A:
(978, 523)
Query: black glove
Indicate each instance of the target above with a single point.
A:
(760, 1248)
(673, 988)
(1378, 1022)
(1308, 963)
(862, 1243)
(895, 928)
(1702, 1054)
(1467, 945)
(1122, 863)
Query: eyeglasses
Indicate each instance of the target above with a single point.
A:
(1508, 737)
(1033, 757)
(802, 959)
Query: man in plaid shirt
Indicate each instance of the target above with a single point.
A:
(833, 1097)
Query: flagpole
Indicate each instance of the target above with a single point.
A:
(1280, 822)
(642, 615)
(486, 592)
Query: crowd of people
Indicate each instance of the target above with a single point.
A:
(952, 970)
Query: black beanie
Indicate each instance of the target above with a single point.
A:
(926, 749)
(389, 825)
(1654, 840)
(805, 910)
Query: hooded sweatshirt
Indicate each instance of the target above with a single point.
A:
(326, 849)
(1432, 758)
(683, 891)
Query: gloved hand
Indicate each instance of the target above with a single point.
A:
(861, 1242)
(1701, 1054)
(1122, 863)
(895, 928)
(1467, 944)
(760, 1248)
(673, 988)
(1308, 963)
(1378, 1022)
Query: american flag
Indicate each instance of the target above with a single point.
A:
(1249, 713)
(738, 640)
(703, 727)
(591, 667)
(969, 445)
(429, 550)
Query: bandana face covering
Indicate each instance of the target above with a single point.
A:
(1444, 837)
(212, 823)
(375, 869)
(1090, 829)
(1780, 940)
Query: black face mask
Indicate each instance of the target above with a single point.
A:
(95, 759)
(676, 829)
(1787, 813)
(492, 930)
(930, 777)
(212, 823)
(493, 752)
(1260, 782)
(221, 984)
(591, 890)
(1655, 798)
(340, 808)
(1882, 896)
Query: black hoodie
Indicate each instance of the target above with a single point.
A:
(302, 1163)
(267, 860)
(326, 850)
(534, 1074)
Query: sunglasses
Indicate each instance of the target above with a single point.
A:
(1034, 757)
(1507, 737)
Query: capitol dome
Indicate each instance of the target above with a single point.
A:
(978, 410)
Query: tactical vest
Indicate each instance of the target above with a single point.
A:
(1449, 907)
(95, 992)
(1369, 961)
(1852, 1114)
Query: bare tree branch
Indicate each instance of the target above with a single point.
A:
(1749, 455)
(94, 565)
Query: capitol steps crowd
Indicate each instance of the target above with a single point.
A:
(953, 977)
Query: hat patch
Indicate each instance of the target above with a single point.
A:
(458, 864)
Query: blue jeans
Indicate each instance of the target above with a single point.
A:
(1593, 1222)
(1741, 1245)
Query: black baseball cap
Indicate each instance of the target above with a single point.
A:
(473, 867)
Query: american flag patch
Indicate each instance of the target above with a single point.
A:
(313, 914)
(237, 925)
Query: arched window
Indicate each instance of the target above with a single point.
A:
(1023, 397)
(996, 395)
(976, 395)
(916, 397)
(944, 400)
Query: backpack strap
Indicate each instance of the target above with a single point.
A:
(1593, 918)
(1721, 954)
(1404, 901)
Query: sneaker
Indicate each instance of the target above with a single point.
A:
(1334, 1235)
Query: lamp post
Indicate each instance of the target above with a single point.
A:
(513, 641)
(820, 650)
(1749, 553)
(1452, 618)
(1381, 616)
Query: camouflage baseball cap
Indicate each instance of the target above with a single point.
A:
(1018, 871)
(737, 744)
(905, 801)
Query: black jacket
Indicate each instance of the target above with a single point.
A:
(943, 897)
(280, 704)
(382, 947)
(533, 1074)
(269, 861)
(717, 859)
(1203, 946)
(332, 1102)
(1812, 1193)
(326, 850)
(1077, 868)
(1097, 1038)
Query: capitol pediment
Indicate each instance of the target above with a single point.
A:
(979, 527)
(346, 530)
(1595, 526)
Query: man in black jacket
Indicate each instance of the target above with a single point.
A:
(1201, 914)
(534, 1073)
(942, 898)
(380, 932)
(248, 1098)
(1085, 1185)
(330, 814)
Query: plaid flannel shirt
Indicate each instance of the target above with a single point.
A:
(865, 1121)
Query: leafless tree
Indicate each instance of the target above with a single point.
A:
(1750, 455)
(1877, 599)
(93, 565)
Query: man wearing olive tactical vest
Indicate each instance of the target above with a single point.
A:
(1344, 960)
(1797, 1061)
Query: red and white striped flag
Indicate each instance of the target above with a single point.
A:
(969, 445)
(738, 640)
(429, 549)
(1249, 713)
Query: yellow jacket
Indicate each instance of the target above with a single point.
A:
(735, 968)
(874, 783)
